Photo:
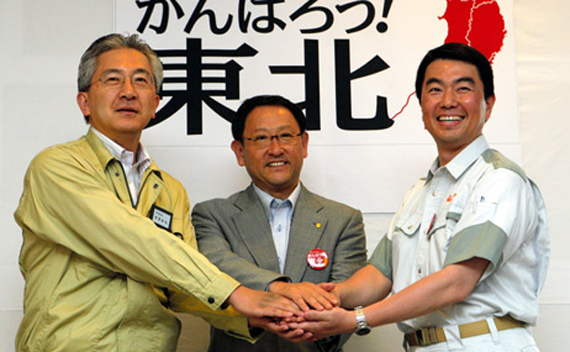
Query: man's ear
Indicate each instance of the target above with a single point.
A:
(237, 148)
(305, 144)
(156, 104)
(489, 102)
(83, 102)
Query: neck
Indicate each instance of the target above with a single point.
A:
(445, 158)
(130, 143)
(281, 194)
(445, 155)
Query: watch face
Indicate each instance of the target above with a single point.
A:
(363, 331)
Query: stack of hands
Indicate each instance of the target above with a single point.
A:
(296, 311)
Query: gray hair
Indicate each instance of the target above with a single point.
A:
(88, 63)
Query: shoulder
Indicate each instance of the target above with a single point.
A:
(496, 180)
(69, 149)
(71, 154)
(494, 172)
(497, 161)
(326, 204)
(217, 204)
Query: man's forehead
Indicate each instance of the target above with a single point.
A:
(466, 71)
(123, 59)
(270, 117)
(269, 110)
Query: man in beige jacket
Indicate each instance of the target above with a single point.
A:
(108, 243)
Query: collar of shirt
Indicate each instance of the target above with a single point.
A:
(458, 165)
(133, 172)
(266, 199)
(124, 156)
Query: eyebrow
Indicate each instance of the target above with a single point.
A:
(465, 79)
(459, 80)
(117, 70)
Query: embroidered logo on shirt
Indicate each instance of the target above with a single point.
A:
(450, 197)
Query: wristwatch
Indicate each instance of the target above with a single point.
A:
(362, 328)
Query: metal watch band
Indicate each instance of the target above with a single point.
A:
(362, 328)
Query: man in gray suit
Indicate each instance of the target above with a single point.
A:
(276, 235)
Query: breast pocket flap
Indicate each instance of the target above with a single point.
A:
(409, 225)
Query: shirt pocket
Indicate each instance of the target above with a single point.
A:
(444, 226)
(404, 235)
(405, 231)
(452, 217)
(404, 239)
(408, 225)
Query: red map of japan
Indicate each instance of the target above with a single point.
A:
(477, 23)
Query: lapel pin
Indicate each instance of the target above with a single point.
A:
(318, 225)
(317, 258)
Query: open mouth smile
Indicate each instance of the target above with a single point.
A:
(276, 164)
(450, 118)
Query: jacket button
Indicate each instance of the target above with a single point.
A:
(211, 300)
(155, 186)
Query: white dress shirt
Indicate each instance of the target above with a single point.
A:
(134, 167)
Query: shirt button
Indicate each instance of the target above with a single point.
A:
(211, 300)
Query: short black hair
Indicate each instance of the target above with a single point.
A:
(238, 125)
(459, 52)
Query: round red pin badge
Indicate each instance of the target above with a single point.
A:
(318, 259)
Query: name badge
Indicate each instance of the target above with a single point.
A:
(161, 217)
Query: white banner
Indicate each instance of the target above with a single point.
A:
(351, 66)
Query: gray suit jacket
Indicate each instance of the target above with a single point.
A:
(235, 235)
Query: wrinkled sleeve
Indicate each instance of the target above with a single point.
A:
(228, 319)
(66, 201)
(497, 213)
(381, 258)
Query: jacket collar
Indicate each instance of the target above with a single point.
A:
(307, 228)
(105, 157)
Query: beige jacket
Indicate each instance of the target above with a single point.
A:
(100, 275)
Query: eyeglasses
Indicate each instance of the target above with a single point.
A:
(264, 140)
(115, 80)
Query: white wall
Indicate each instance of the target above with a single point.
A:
(41, 42)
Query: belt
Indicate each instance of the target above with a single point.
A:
(431, 335)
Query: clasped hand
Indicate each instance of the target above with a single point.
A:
(319, 313)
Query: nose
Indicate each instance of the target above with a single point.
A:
(448, 98)
(127, 89)
(275, 146)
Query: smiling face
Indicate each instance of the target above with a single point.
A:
(120, 114)
(453, 106)
(275, 169)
